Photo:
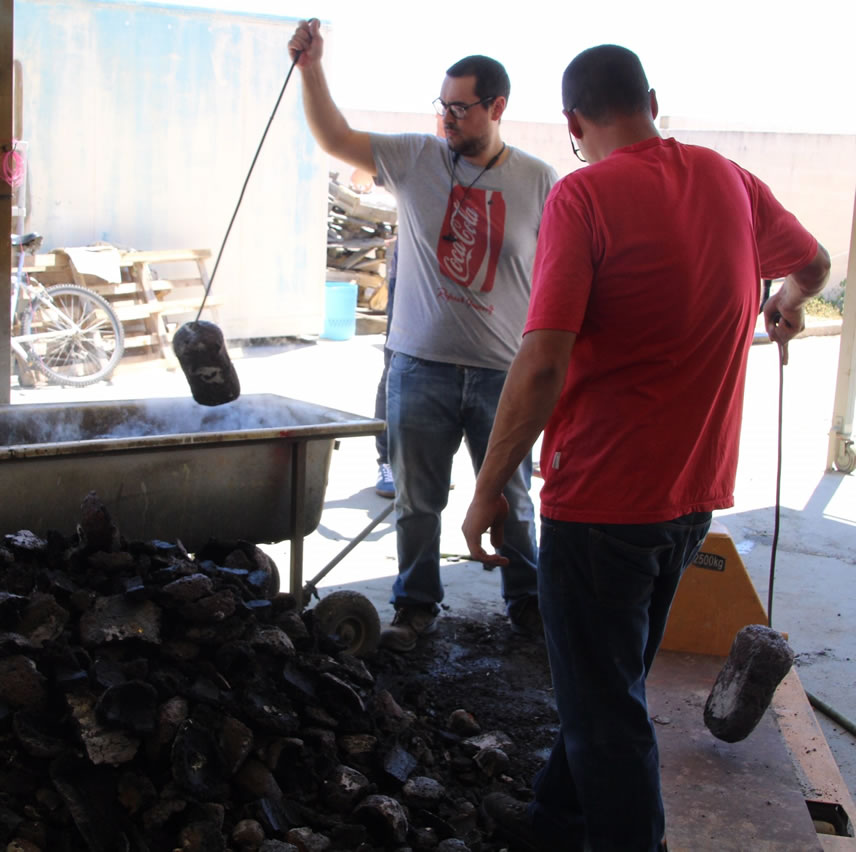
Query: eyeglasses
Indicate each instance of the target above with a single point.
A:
(458, 110)
(576, 150)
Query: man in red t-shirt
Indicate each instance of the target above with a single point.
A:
(645, 293)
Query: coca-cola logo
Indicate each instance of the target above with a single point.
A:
(472, 235)
(464, 228)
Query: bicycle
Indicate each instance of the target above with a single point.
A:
(67, 332)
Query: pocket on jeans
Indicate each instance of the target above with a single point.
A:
(405, 364)
(410, 365)
(623, 574)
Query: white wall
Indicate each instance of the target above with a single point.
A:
(142, 122)
(813, 175)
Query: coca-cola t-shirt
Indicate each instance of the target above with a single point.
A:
(465, 248)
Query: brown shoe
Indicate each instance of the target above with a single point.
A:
(409, 623)
(525, 618)
(509, 818)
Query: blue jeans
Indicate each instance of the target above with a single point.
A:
(605, 593)
(381, 441)
(430, 407)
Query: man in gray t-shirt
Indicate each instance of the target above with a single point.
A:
(469, 209)
(468, 244)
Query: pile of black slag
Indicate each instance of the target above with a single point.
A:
(153, 701)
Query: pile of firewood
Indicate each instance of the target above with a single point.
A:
(360, 229)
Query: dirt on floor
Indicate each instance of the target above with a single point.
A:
(477, 664)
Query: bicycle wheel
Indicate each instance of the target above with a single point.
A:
(81, 339)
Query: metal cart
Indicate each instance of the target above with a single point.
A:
(255, 469)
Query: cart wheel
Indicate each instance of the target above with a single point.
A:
(846, 461)
(352, 619)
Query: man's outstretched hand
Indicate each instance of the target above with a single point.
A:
(484, 514)
(306, 43)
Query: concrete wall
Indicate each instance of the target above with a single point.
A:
(813, 175)
(142, 122)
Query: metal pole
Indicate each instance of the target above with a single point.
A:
(840, 454)
(298, 520)
(309, 589)
(832, 713)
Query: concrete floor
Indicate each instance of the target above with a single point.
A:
(814, 599)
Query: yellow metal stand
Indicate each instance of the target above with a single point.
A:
(715, 599)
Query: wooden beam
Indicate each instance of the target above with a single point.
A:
(129, 258)
(6, 134)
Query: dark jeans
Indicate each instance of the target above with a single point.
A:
(605, 591)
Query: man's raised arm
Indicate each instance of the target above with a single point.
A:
(328, 125)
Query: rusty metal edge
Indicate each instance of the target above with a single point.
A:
(817, 771)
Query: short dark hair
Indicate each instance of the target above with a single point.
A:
(491, 76)
(604, 81)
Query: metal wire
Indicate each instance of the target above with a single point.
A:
(244, 187)
(816, 702)
(777, 511)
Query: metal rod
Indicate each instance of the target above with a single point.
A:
(298, 520)
(244, 187)
(832, 713)
(777, 511)
(309, 588)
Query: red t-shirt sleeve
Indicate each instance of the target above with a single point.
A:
(564, 265)
(784, 245)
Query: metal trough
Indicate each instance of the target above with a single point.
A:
(168, 468)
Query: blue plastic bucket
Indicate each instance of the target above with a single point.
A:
(340, 310)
